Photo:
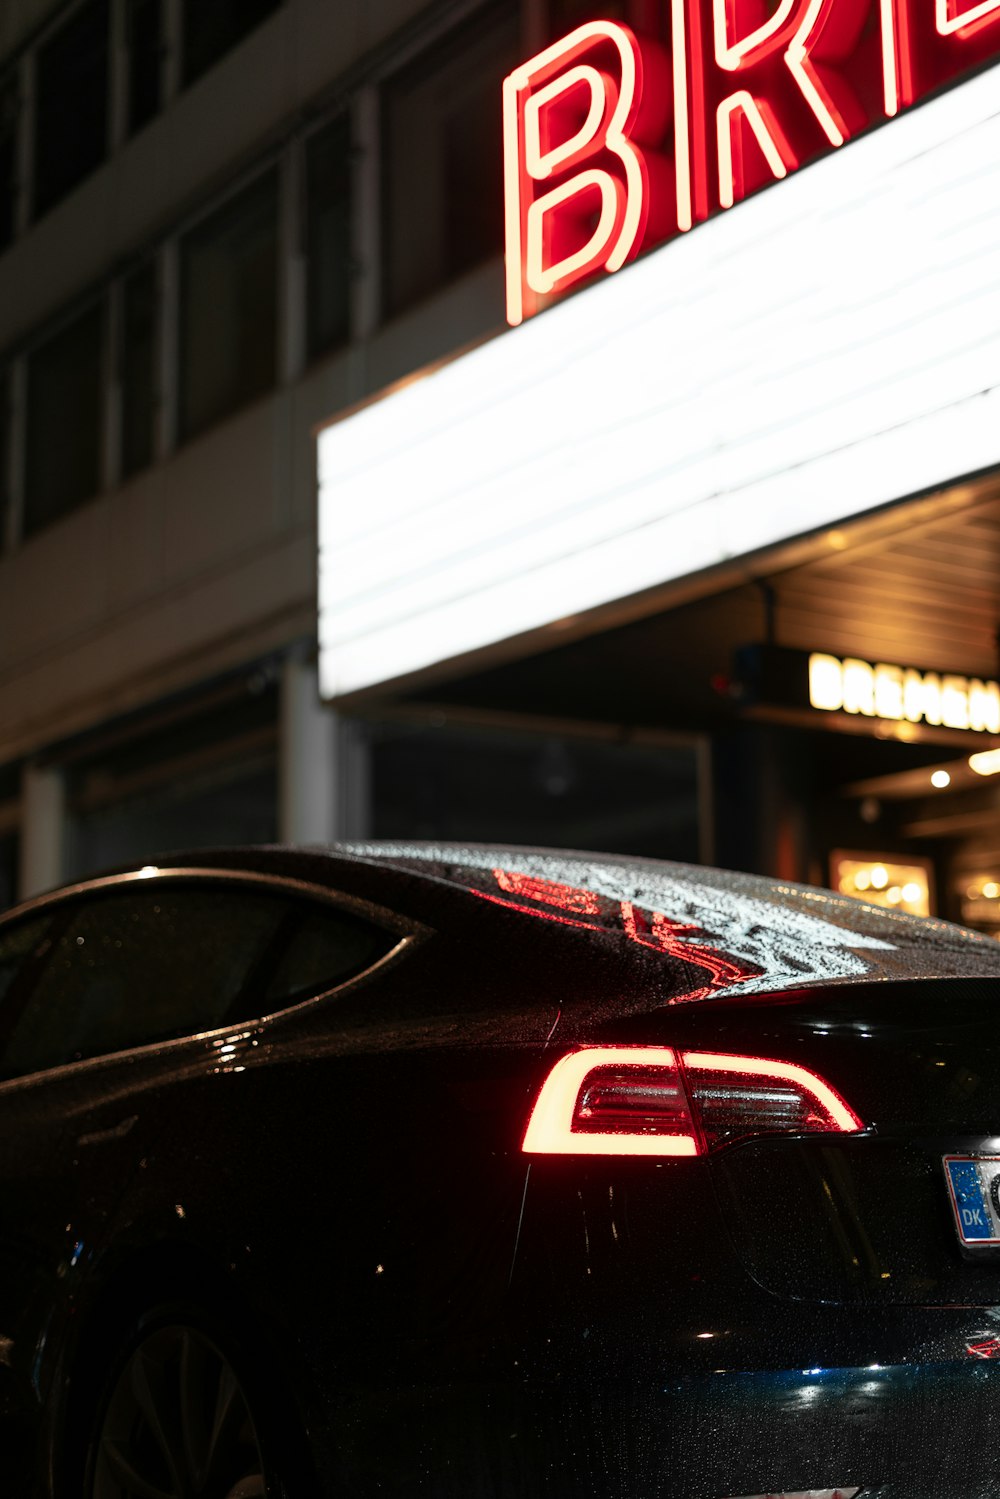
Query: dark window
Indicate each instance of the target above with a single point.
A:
(10, 104)
(555, 791)
(192, 782)
(328, 200)
(63, 445)
(322, 948)
(71, 110)
(235, 804)
(229, 307)
(20, 944)
(144, 20)
(443, 158)
(212, 27)
(130, 968)
(138, 368)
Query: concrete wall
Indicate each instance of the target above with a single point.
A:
(204, 561)
(250, 98)
(207, 559)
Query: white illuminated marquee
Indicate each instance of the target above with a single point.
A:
(903, 694)
(820, 350)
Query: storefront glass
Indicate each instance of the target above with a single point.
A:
(556, 790)
(229, 807)
(188, 779)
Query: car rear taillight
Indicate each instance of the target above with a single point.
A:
(655, 1101)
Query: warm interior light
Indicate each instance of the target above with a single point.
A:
(985, 763)
(899, 886)
(940, 779)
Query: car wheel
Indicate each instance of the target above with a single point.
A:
(177, 1422)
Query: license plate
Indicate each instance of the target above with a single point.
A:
(974, 1189)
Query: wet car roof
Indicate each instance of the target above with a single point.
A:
(748, 933)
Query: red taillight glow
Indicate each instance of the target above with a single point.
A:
(654, 1101)
(559, 1126)
(828, 1111)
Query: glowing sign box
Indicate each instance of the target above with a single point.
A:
(903, 694)
(615, 142)
(820, 351)
(878, 690)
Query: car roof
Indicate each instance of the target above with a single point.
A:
(750, 933)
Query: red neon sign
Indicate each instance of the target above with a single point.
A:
(613, 143)
(577, 183)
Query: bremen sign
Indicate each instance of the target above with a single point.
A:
(902, 693)
(615, 142)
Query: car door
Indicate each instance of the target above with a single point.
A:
(92, 983)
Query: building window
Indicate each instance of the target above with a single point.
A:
(556, 791)
(144, 22)
(228, 307)
(198, 782)
(443, 158)
(63, 437)
(213, 27)
(71, 110)
(10, 103)
(138, 368)
(328, 171)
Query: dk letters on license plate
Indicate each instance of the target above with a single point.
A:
(974, 1188)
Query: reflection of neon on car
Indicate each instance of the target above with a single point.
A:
(989, 1349)
(648, 928)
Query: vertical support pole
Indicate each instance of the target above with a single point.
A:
(307, 810)
(43, 829)
(323, 781)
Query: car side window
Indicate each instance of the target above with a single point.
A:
(21, 944)
(320, 948)
(129, 967)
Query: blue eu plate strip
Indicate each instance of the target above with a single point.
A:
(970, 1205)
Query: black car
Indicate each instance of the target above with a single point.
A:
(491, 1173)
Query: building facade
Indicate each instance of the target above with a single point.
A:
(223, 226)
